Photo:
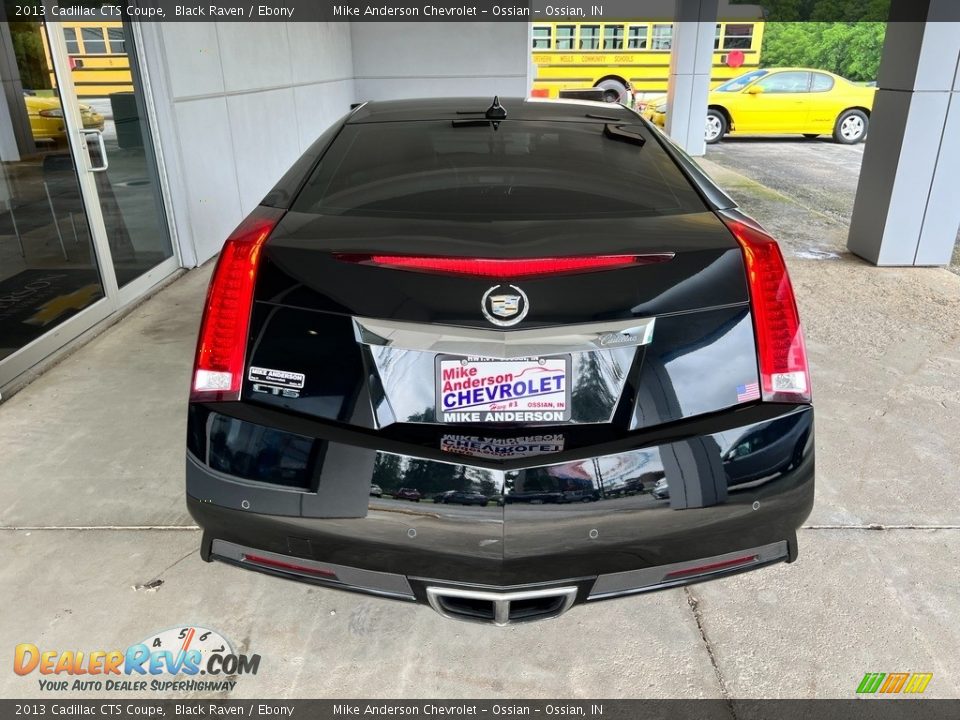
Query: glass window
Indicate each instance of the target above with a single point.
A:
(716, 38)
(521, 170)
(785, 82)
(70, 36)
(93, 42)
(565, 37)
(589, 37)
(738, 37)
(662, 37)
(821, 83)
(541, 38)
(637, 39)
(117, 42)
(613, 37)
(740, 82)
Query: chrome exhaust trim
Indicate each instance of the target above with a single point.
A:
(503, 607)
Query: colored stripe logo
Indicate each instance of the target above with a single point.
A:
(893, 683)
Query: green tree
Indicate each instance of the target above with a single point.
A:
(31, 59)
(849, 49)
(822, 10)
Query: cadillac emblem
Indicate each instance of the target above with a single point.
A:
(504, 305)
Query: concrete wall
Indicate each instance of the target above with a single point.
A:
(237, 103)
(402, 60)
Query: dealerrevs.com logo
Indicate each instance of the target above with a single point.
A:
(168, 661)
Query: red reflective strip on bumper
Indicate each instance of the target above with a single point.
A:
(701, 569)
(291, 567)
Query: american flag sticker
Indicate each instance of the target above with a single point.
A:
(748, 392)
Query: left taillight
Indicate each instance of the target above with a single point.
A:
(222, 343)
(782, 354)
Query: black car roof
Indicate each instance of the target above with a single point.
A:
(474, 107)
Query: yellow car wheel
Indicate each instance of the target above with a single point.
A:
(716, 126)
(851, 127)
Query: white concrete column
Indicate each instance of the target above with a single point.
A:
(907, 209)
(691, 62)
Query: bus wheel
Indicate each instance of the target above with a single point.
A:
(613, 91)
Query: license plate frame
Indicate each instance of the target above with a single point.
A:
(542, 401)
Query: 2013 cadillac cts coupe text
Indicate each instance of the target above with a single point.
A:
(570, 367)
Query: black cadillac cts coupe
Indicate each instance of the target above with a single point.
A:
(501, 359)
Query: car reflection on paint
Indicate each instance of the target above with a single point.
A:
(661, 490)
(580, 495)
(761, 452)
(460, 497)
(407, 494)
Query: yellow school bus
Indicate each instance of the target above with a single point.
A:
(98, 57)
(616, 55)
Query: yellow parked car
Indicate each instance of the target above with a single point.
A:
(46, 118)
(783, 101)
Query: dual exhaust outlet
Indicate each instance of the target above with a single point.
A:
(501, 608)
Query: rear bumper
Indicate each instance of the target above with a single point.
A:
(735, 499)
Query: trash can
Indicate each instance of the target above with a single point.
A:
(126, 119)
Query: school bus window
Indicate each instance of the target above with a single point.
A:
(716, 38)
(637, 38)
(613, 37)
(738, 37)
(565, 37)
(662, 37)
(70, 37)
(541, 38)
(589, 37)
(93, 42)
(117, 42)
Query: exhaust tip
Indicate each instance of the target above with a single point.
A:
(497, 608)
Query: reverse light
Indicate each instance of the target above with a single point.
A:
(784, 372)
(504, 268)
(222, 343)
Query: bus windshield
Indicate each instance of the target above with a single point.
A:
(739, 83)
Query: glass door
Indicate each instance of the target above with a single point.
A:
(112, 108)
(49, 265)
(82, 224)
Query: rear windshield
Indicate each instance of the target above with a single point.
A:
(520, 169)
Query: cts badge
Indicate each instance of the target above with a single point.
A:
(504, 305)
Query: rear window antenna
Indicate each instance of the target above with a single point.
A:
(496, 111)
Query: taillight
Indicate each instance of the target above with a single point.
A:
(222, 344)
(504, 268)
(784, 373)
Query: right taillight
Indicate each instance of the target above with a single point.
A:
(784, 373)
(222, 343)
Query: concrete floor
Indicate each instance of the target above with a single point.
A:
(91, 505)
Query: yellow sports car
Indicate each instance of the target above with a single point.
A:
(783, 101)
(46, 118)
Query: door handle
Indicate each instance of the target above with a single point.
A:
(103, 149)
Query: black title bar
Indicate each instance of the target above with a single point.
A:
(457, 10)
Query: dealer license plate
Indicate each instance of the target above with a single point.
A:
(521, 390)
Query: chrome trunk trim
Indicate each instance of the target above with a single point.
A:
(501, 344)
(405, 355)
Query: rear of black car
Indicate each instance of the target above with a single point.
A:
(572, 367)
